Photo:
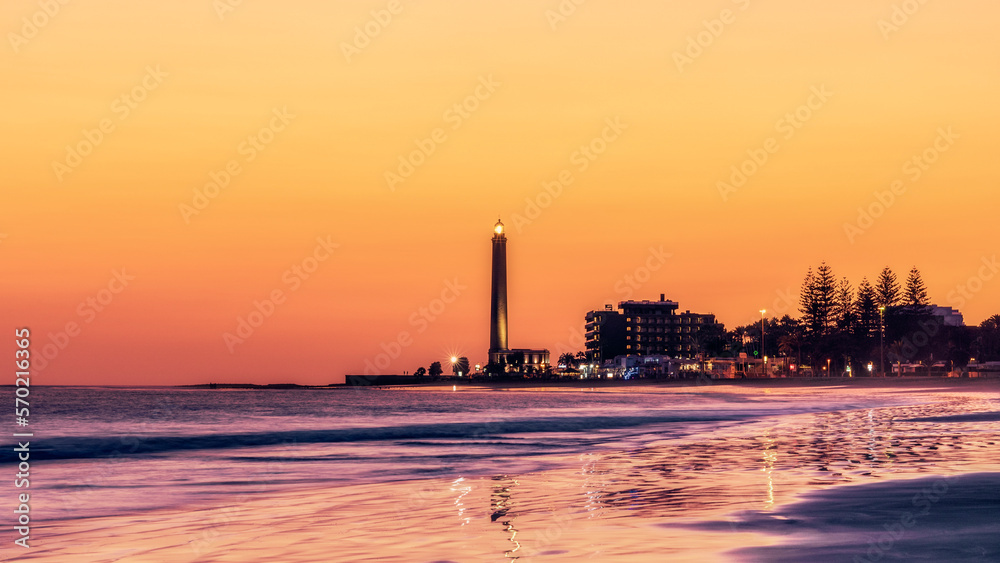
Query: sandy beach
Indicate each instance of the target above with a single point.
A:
(753, 471)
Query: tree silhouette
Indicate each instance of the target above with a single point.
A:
(867, 310)
(435, 369)
(516, 362)
(807, 303)
(988, 341)
(887, 289)
(844, 312)
(420, 373)
(567, 359)
(916, 291)
(817, 301)
(791, 343)
(462, 366)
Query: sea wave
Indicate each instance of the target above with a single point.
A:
(87, 447)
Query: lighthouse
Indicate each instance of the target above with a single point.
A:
(523, 361)
(498, 294)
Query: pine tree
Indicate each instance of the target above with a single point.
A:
(887, 289)
(844, 313)
(867, 309)
(825, 297)
(807, 302)
(916, 292)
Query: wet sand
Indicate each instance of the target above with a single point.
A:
(817, 486)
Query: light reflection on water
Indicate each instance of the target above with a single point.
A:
(501, 506)
(633, 501)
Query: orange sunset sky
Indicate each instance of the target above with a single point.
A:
(186, 88)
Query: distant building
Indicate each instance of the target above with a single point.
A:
(524, 359)
(948, 315)
(519, 359)
(654, 328)
(605, 334)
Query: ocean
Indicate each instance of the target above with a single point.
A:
(759, 472)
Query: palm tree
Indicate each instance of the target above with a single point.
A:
(567, 359)
(896, 349)
(789, 343)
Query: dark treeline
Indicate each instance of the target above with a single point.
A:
(844, 324)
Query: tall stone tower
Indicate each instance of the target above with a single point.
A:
(498, 294)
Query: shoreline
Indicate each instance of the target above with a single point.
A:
(873, 382)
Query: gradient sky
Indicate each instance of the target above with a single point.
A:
(323, 174)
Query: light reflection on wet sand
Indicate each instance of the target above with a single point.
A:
(643, 502)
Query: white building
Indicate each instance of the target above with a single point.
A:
(950, 316)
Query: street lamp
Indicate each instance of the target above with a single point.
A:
(762, 311)
(828, 368)
(881, 346)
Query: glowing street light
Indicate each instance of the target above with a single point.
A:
(762, 311)
(881, 346)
